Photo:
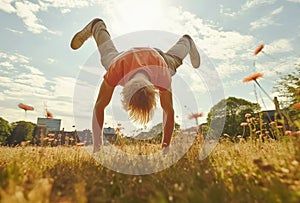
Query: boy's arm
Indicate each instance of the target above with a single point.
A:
(166, 102)
(104, 97)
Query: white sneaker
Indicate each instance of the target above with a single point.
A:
(194, 54)
(81, 36)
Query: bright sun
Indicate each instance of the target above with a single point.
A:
(140, 14)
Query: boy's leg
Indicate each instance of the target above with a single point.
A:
(172, 61)
(97, 29)
(184, 46)
(105, 45)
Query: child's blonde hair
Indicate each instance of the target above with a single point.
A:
(139, 99)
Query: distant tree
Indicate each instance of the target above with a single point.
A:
(5, 131)
(233, 110)
(288, 88)
(22, 131)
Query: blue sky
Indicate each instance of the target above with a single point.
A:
(38, 68)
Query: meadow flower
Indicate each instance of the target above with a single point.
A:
(258, 49)
(288, 132)
(253, 77)
(195, 115)
(279, 126)
(244, 124)
(297, 105)
(247, 115)
(49, 114)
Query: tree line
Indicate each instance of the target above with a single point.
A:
(16, 132)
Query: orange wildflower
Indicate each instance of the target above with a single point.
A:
(253, 77)
(244, 124)
(288, 132)
(247, 115)
(258, 49)
(297, 105)
(25, 107)
(49, 114)
(195, 115)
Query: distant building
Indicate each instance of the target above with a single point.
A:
(271, 115)
(109, 135)
(85, 136)
(52, 125)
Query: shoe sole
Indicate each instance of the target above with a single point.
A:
(194, 54)
(76, 43)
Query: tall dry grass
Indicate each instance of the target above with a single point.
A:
(234, 172)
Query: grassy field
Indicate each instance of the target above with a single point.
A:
(234, 172)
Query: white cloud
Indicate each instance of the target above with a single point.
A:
(26, 11)
(294, 1)
(64, 4)
(277, 11)
(65, 10)
(7, 65)
(51, 60)
(32, 80)
(217, 43)
(279, 46)
(63, 87)
(1, 96)
(227, 11)
(14, 58)
(5, 80)
(267, 20)
(226, 69)
(33, 70)
(14, 31)
(273, 68)
(251, 4)
(255, 3)
(6, 6)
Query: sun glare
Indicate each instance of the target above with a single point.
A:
(140, 14)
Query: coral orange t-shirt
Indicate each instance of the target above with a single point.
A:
(148, 60)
